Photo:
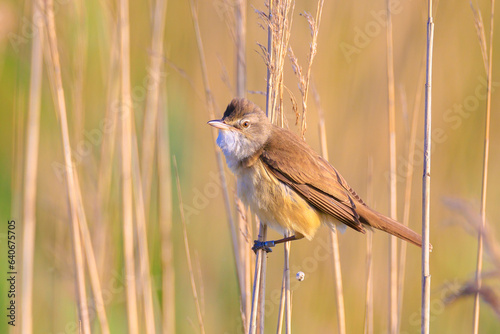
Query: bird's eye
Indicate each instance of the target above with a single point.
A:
(245, 124)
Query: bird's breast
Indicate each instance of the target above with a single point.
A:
(275, 203)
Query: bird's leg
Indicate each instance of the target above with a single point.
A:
(266, 245)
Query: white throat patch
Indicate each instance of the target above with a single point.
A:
(235, 147)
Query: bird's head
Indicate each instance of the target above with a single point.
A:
(243, 130)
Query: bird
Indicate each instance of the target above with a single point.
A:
(289, 186)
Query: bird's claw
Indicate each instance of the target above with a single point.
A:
(265, 245)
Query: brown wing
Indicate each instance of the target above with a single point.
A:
(294, 163)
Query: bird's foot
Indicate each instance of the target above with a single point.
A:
(265, 245)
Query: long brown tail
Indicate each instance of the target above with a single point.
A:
(379, 221)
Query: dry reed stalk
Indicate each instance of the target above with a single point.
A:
(262, 289)
(368, 329)
(165, 219)
(142, 238)
(95, 282)
(337, 268)
(245, 249)
(486, 154)
(240, 19)
(126, 168)
(60, 103)
(281, 309)
(30, 172)
(209, 99)
(257, 281)
(408, 188)
(288, 296)
(393, 244)
(152, 110)
(188, 253)
(79, 70)
(107, 151)
(426, 179)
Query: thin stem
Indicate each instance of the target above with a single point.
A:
(30, 172)
(369, 259)
(70, 173)
(257, 281)
(188, 252)
(393, 249)
(339, 290)
(218, 155)
(426, 181)
(95, 282)
(484, 184)
(153, 89)
(126, 138)
(145, 278)
(408, 188)
(165, 222)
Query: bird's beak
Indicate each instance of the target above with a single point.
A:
(219, 124)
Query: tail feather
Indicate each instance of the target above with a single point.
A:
(389, 225)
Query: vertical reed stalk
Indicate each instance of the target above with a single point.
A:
(369, 258)
(142, 238)
(95, 283)
(240, 15)
(288, 296)
(188, 253)
(339, 289)
(165, 220)
(30, 172)
(257, 282)
(426, 181)
(55, 69)
(484, 184)
(153, 89)
(393, 248)
(408, 188)
(240, 20)
(209, 99)
(126, 168)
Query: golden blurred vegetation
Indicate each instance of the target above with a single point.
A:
(350, 76)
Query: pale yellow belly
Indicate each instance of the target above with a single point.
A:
(277, 204)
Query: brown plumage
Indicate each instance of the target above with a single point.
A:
(286, 183)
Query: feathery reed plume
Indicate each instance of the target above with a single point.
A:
(488, 64)
(279, 23)
(126, 168)
(60, 104)
(30, 172)
(188, 253)
(393, 243)
(304, 80)
(339, 290)
(488, 292)
(426, 179)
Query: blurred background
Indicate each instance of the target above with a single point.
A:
(349, 74)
